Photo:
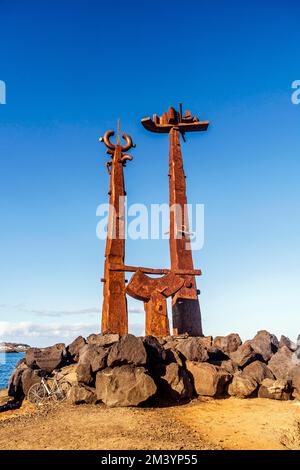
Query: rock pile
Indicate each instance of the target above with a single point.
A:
(130, 370)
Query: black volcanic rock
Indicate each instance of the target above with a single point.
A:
(75, 347)
(129, 350)
(173, 381)
(193, 350)
(103, 340)
(243, 355)
(92, 358)
(285, 341)
(155, 351)
(258, 371)
(227, 344)
(275, 389)
(242, 386)
(29, 378)
(282, 363)
(126, 385)
(265, 344)
(208, 380)
(46, 359)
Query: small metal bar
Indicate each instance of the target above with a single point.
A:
(133, 269)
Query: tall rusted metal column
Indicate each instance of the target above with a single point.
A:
(185, 304)
(114, 310)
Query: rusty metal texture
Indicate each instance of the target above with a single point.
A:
(163, 124)
(154, 292)
(185, 304)
(114, 309)
(141, 286)
(133, 269)
(179, 281)
(157, 322)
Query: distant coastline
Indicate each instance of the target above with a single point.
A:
(8, 362)
(9, 348)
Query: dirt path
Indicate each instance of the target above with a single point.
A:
(96, 427)
(201, 424)
(242, 424)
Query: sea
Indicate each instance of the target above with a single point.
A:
(7, 365)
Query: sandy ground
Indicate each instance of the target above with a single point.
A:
(201, 424)
(238, 424)
(96, 427)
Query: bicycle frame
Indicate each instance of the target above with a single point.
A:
(47, 388)
(56, 389)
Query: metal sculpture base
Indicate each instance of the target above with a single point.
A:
(157, 322)
(187, 317)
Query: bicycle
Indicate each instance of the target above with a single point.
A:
(58, 390)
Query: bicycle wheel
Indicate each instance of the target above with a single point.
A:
(36, 394)
(61, 391)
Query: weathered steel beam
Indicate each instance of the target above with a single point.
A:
(114, 309)
(133, 269)
(185, 303)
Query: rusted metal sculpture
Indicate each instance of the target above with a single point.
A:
(185, 303)
(179, 281)
(114, 310)
(154, 292)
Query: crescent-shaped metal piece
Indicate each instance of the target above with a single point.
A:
(106, 140)
(128, 141)
(126, 157)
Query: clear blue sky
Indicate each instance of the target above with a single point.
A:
(71, 69)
